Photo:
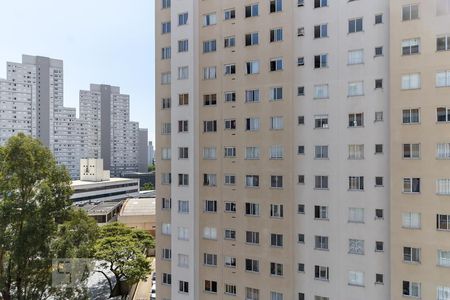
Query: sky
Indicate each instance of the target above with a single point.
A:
(100, 41)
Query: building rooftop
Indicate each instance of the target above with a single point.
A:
(99, 208)
(138, 207)
(76, 183)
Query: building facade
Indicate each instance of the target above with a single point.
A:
(295, 150)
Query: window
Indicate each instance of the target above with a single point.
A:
(301, 91)
(166, 53)
(276, 93)
(320, 3)
(182, 19)
(300, 238)
(443, 79)
(166, 203)
(301, 179)
(251, 10)
(410, 12)
(378, 19)
(209, 100)
(276, 64)
(378, 83)
(443, 186)
(355, 25)
(210, 286)
(252, 124)
(229, 179)
(230, 14)
(378, 51)
(320, 31)
(251, 39)
(229, 152)
(229, 41)
(183, 260)
(183, 234)
(276, 6)
(167, 278)
(183, 286)
(356, 246)
(321, 152)
(209, 46)
(443, 293)
(210, 259)
(410, 46)
(165, 27)
(210, 126)
(301, 209)
(166, 178)
(443, 114)
(230, 96)
(230, 289)
(252, 96)
(183, 126)
(210, 206)
(411, 185)
(321, 273)
(300, 3)
(355, 89)
(320, 61)
(379, 246)
(443, 222)
(411, 81)
(301, 267)
(209, 180)
(230, 69)
(165, 4)
(183, 73)
(378, 213)
(210, 233)
(230, 262)
(166, 254)
(356, 183)
(321, 121)
(276, 181)
(356, 278)
(276, 35)
(411, 151)
(356, 120)
(252, 153)
(411, 220)
(443, 151)
(276, 152)
(183, 99)
(209, 19)
(230, 207)
(183, 206)
(276, 123)
(321, 212)
(230, 234)
(300, 61)
(276, 269)
(411, 254)
(166, 78)
(251, 265)
(378, 181)
(251, 209)
(411, 289)
(356, 151)
(276, 240)
(165, 103)
(378, 116)
(166, 153)
(378, 148)
(252, 67)
(301, 120)
(183, 179)
(165, 229)
(251, 294)
(356, 215)
(276, 296)
(411, 116)
(321, 91)
(321, 182)
(355, 57)
(444, 258)
(301, 150)
(209, 73)
(230, 124)
(209, 153)
(320, 242)
(443, 42)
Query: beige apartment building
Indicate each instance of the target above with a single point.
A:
(278, 147)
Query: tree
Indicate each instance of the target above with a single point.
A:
(35, 201)
(148, 187)
(151, 167)
(122, 251)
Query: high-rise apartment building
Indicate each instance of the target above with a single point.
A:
(111, 135)
(420, 149)
(142, 158)
(302, 149)
(46, 117)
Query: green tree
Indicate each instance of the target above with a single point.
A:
(35, 201)
(147, 187)
(151, 167)
(122, 250)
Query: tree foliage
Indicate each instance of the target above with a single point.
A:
(35, 202)
(122, 251)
